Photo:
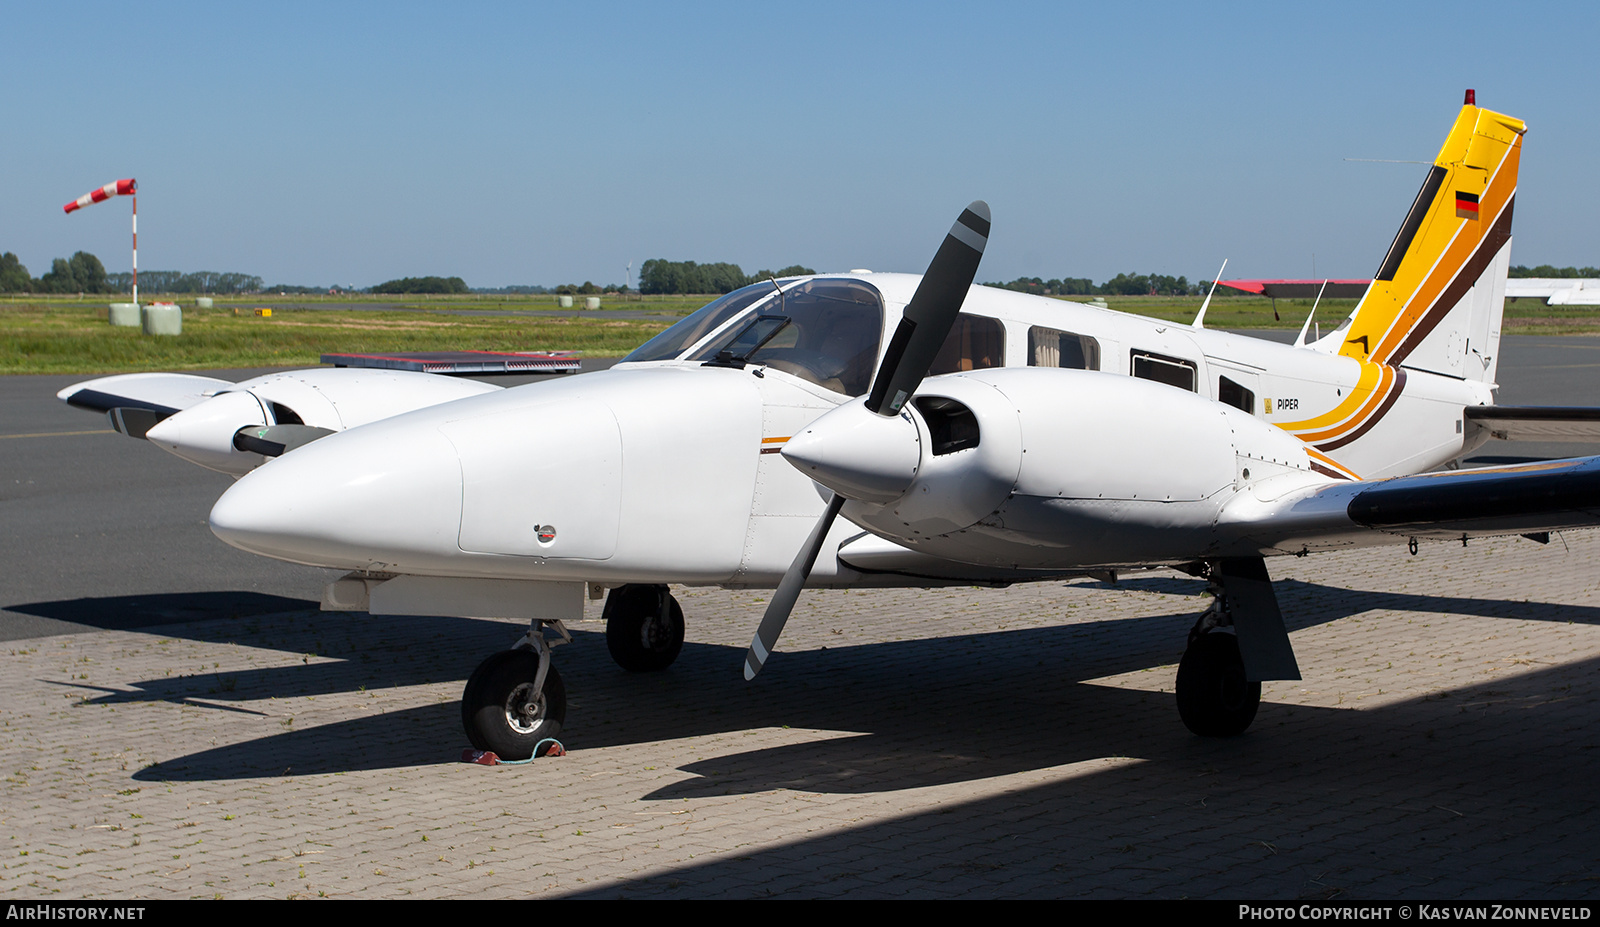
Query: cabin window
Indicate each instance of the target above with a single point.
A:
(1235, 395)
(1050, 348)
(701, 322)
(824, 330)
(975, 343)
(1173, 371)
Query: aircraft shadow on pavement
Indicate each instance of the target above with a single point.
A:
(386, 740)
(1307, 604)
(133, 612)
(1482, 791)
(923, 712)
(339, 652)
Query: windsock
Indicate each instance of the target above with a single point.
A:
(115, 188)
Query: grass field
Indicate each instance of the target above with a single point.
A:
(70, 335)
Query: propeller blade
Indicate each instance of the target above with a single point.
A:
(783, 600)
(276, 440)
(932, 311)
(924, 326)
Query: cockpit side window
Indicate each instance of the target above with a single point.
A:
(975, 343)
(701, 322)
(830, 339)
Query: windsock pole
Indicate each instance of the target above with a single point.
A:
(129, 188)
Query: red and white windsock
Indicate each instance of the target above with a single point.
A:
(115, 188)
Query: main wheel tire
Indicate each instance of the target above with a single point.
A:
(1214, 698)
(640, 638)
(502, 713)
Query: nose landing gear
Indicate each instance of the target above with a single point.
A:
(515, 698)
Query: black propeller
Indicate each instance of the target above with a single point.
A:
(276, 440)
(923, 329)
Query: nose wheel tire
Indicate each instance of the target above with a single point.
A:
(1214, 698)
(501, 711)
(641, 635)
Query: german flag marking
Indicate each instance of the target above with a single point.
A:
(1466, 205)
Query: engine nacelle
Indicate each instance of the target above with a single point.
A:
(333, 399)
(1016, 464)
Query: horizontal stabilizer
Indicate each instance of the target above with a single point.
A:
(1538, 423)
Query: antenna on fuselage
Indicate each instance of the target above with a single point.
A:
(1200, 320)
(776, 286)
(1300, 341)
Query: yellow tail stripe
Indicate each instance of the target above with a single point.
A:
(1374, 400)
(1366, 384)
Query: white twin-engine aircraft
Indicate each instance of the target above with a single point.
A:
(967, 435)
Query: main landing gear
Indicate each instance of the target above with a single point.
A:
(515, 699)
(1215, 699)
(644, 627)
(1236, 643)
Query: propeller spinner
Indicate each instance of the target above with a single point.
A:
(923, 329)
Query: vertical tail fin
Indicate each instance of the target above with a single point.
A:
(1438, 298)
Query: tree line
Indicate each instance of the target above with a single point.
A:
(421, 285)
(176, 281)
(83, 273)
(676, 277)
(1120, 285)
(1546, 270)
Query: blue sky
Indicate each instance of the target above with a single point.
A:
(541, 144)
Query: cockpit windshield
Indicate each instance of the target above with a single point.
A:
(823, 330)
(701, 322)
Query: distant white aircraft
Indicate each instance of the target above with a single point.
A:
(966, 434)
(1556, 291)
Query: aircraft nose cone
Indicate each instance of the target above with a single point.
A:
(370, 498)
(858, 454)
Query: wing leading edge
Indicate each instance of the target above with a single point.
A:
(136, 402)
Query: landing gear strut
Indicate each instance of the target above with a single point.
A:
(515, 699)
(644, 627)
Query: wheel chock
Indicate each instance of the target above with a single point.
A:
(547, 747)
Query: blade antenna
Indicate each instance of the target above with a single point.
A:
(1200, 320)
(1300, 341)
